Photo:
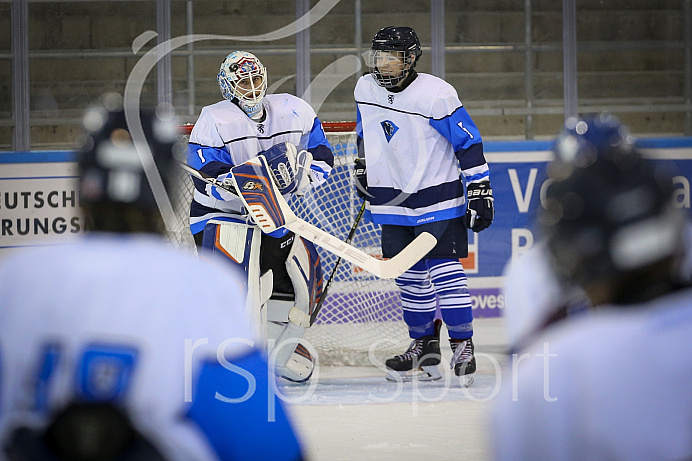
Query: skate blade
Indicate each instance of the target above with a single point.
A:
(427, 373)
(465, 380)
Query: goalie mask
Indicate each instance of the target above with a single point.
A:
(395, 52)
(243, 78)
(608, 212)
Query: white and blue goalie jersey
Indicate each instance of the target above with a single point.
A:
(418, 144)
(224, 136)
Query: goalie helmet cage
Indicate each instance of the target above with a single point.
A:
(361, 321)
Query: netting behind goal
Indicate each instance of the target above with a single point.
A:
(361, 317)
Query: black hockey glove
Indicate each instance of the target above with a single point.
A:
(361, 175)
(480, 209)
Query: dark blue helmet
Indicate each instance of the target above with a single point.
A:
(583, 140)
(607, 211)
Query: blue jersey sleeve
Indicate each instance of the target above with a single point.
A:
(211, 161)
(459, 129)
(240, 415)
(359, 134)
(322, 155)
(200, 157)
(318, 145)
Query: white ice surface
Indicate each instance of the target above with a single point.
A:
(353, 413)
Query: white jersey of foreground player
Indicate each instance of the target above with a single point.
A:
(534, 296)
(125, 309)
(612, 384)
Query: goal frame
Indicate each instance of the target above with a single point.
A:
(360, 321)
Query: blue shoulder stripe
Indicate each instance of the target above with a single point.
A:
(458, 128)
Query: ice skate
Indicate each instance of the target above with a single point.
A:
(463, 361)
(420, 362)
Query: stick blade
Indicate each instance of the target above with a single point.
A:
(414, 252)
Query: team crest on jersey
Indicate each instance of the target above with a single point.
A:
(389, 129)
(106, 372)
(252, 185)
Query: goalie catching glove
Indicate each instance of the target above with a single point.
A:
(290, 169)
(480, 209)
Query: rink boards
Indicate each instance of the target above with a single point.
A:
(39, 205)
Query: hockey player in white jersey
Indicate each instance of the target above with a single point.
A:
(108, 350)
(611, 383)
(415, 136)
(284, 129)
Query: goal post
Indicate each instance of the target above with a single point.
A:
(361, 318)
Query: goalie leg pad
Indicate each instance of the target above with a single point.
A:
(238, 244)
(286, 311)
(229, 239)
(288, 354)
(288, 320)
(305, 270)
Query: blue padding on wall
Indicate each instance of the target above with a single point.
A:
(46, 156)
(488, 146)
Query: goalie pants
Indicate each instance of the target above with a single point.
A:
(438, 278)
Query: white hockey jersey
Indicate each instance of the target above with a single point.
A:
(224, 136)
(121, 319)
(415, 143)
(611, 384)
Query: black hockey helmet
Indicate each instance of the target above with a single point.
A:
(397, 39)
(400, 40)
(608, 212)
(111, 157)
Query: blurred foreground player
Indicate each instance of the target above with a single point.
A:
(108, 352)
(426, 172)
(535, 297)
(285, 130)
(612, 383)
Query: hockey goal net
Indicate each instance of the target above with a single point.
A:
(361, 317)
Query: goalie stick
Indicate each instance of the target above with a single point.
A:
(351, 233)
(259, 210)
(227, 186)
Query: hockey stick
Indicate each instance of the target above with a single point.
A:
(389, 269)
(351, 233)
(227, 186)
